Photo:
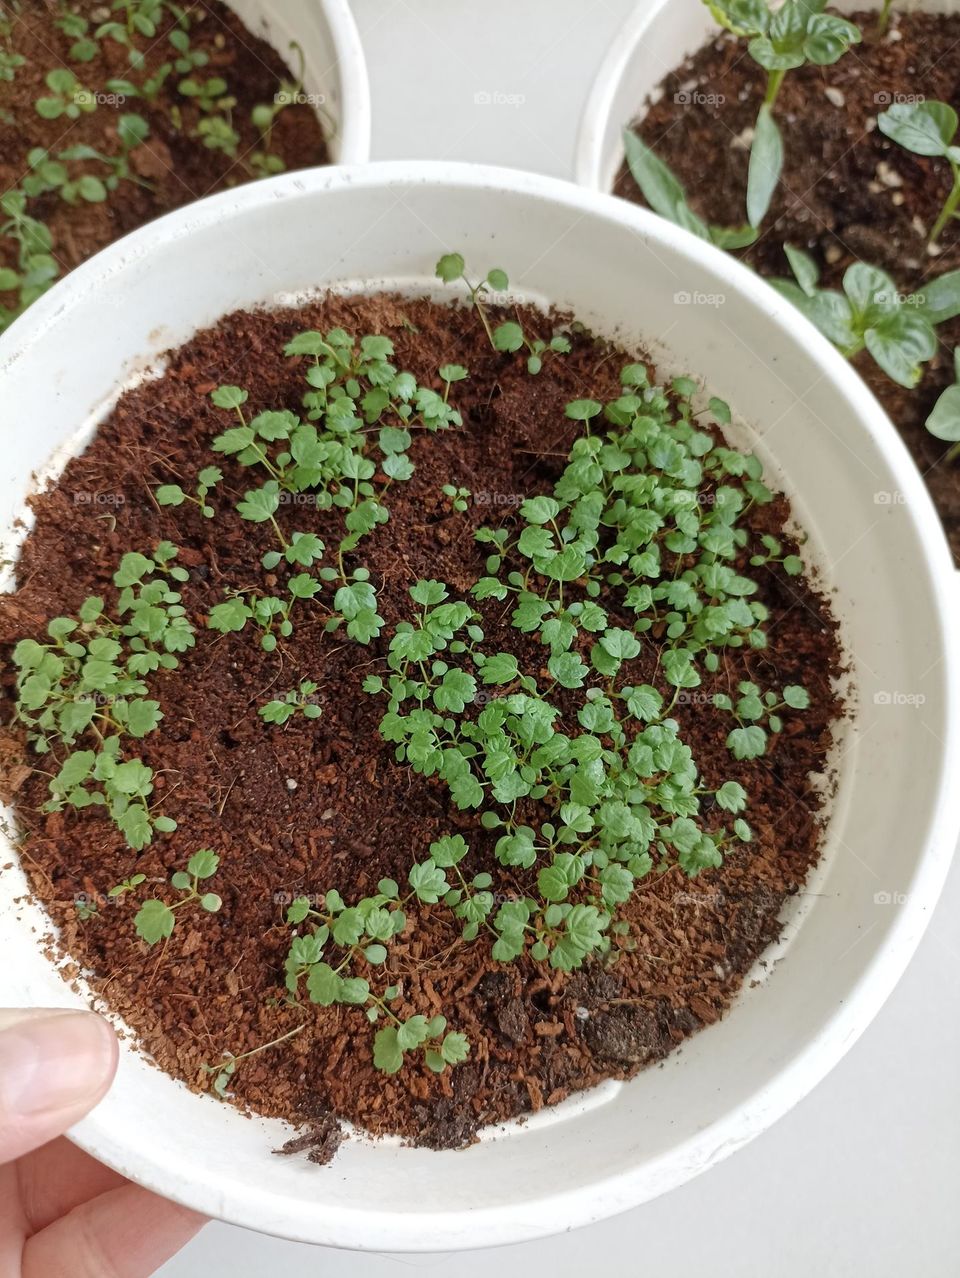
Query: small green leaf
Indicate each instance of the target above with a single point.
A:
(387, 1053)
(766, 165)
(508, 336)
(229, 396)
(450, 268)
(925, 128)
(203, 864)
(796, 697)
(154, 921)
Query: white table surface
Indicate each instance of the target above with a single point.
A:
(861, 1180)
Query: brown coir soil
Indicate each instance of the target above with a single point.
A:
(176, 167)
(355, 814)
(847, 192)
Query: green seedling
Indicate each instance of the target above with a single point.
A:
(207, 480)
(210, 95)
(361, 413)
(53, 174)
(221, 1074)
(127, 885)
(270, 613)
(67, 97)
(87, 683)
(928, 128)
(218, 134)
(751, 710)
(440, 1048)
(155, 920)
(510, 337)
(36, 267)
(773, 553)
(451, 268)
(459, 497)
(188, 59)
(297, 701)
(10, 62)
(263, 161)
(86, 910)
(359, 934)
(142, 17)
(788, 37)
(77, 28)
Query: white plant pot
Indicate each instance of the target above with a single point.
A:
(335, 70)
(872, 530)
(655, 40)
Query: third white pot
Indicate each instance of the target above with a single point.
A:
(655, 40)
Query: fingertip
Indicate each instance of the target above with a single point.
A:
(55, 1065)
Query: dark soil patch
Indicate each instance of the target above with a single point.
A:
(847, 192)
(356, 814)
(171, 167)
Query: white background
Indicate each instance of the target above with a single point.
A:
(861, 1179)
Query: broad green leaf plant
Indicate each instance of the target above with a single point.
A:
(869, 313)
(779, 40)
(928, 128)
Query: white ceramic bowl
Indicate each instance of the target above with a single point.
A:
(653, 41)
(335, 71)
(873, 531)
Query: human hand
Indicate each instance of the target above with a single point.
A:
(63, 1215)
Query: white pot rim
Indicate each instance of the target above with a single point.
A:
(253, 1205)
(355, 110)
(588, 169)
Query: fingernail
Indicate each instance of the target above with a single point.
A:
(55, 1061)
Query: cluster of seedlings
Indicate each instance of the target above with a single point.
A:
(79, 172)
(870, 312)
(581, 773)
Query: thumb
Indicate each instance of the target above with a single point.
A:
(55, 1065)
